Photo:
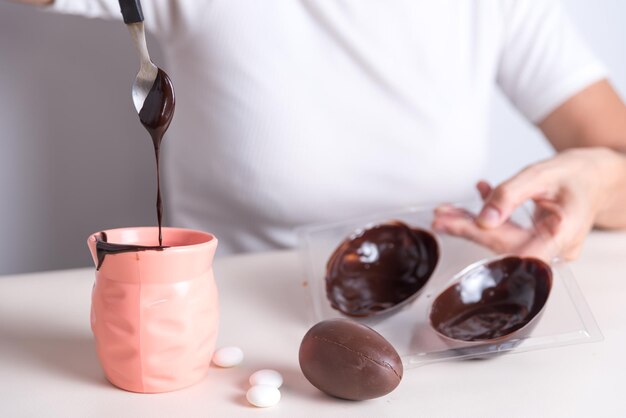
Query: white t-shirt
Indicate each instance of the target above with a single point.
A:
(298, 111)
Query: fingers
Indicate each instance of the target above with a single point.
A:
(484, 189)
(508, 238)
(492, 227)
(530, 183)
(561, 219)
(547, 249)
(548, 218)
(538, 248)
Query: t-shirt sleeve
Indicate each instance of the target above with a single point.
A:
(544, 60)
(164, 18)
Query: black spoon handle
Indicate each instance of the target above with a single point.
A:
(131, 10)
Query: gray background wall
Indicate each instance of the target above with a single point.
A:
(73, 158)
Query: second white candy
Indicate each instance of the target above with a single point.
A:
(266, 377)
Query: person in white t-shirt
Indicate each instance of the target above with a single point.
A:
(292, 112)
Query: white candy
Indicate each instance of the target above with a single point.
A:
(228, 356)
(263, 396)
(266, 377)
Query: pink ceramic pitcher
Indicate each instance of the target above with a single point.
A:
(154, 313)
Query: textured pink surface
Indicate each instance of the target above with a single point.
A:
(155, 314)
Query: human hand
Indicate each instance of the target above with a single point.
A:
(571, 191)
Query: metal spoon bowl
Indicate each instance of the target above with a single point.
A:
(147, 71)
(133, 17)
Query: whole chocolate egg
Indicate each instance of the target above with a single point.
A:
(380, 268)
(349, 360)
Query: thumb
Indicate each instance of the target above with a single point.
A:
(508, 196)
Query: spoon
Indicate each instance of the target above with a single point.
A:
(152, 91)
(133, 17)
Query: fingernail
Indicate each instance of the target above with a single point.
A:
(489, 216)
(445, 208)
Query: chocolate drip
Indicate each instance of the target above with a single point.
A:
(156, 115)
(104, 248)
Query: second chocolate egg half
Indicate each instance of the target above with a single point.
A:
(380, 268)
(492, 301)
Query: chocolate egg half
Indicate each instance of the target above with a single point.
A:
(349, 360)
(380, 268)
(493, 301)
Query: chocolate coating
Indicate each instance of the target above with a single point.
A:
(156, 115)
(104, 248)
(380, 267)
(348, 360)
(493, 300)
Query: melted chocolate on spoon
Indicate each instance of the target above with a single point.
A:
(104, 248)
(156, 115)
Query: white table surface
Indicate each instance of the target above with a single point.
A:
(48, 365)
